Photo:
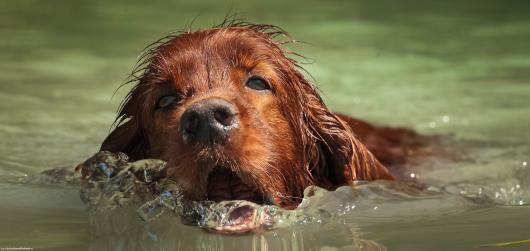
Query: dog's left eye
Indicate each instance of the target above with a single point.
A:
(258, 84)
(166, 101)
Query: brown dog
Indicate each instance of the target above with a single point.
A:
(235, 119)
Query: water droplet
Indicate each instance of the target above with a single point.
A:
(103, 167)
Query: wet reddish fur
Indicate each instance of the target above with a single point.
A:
(287, 139)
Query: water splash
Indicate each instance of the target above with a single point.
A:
(109, 182)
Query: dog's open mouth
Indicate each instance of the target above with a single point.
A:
(240, 217)
(224, 184)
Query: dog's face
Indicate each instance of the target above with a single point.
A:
(216, 116)
(234, 119)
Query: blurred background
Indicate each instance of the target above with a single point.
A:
(460, 69)
(407, 63)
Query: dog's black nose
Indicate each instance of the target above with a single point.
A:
(208, 121)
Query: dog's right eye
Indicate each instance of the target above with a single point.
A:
(166, 101)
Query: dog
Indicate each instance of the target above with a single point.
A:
(230, 111)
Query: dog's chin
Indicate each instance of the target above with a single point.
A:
(223, 184)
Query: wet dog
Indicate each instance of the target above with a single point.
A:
(235, 119)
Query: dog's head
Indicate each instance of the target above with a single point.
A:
(235, 119)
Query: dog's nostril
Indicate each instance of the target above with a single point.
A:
(208, 121)
(223, 116)
(191, 125)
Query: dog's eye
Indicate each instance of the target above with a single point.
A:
(166, 101)
(258, 84)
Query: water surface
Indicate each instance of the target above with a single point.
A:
(450, 68)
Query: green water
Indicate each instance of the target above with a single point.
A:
(453, 68)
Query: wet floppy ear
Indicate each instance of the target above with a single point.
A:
(336, 157)
(331, 155)
(127, 138)
(341, 157)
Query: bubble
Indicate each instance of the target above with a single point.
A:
(432, 124)
(150, 211)
(525, 163)
(103, 167)
(446, 119)
(413, 175)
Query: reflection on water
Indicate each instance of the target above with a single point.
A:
(454, 68)
(334, 219)
(339, 215)
(323, 213)
(169, 234)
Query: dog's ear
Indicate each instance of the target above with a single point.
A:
(332, 153)
(340, 157)
(128, 136)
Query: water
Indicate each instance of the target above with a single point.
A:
(451, 68)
